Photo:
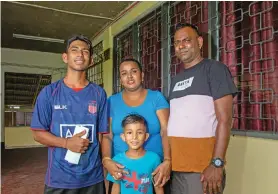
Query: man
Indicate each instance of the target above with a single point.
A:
(61, 109)
(201, 98)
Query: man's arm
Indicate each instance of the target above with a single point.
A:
(223, 111)
(212, 176)
(41, 121)
(75, 143)
(106, 143)
(46, 138)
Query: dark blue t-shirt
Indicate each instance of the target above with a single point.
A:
(58, 110)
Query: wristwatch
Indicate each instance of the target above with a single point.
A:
(217, 162)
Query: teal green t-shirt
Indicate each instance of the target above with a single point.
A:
(139, 179)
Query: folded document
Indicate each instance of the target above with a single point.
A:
(74, 157)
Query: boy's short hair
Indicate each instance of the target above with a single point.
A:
(133, 118)
(82, 38)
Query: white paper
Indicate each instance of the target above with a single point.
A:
(74, 157)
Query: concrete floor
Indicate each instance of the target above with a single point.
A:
(23, 170)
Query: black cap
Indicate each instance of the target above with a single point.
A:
(82, 38)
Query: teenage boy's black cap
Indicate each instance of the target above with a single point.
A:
(82, 38)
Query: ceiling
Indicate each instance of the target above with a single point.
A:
(46, 22)
(18, 18)
(21, 89)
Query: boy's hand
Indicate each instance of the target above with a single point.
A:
(116, 170)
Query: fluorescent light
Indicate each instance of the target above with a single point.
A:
(22, 36)
(14, 107)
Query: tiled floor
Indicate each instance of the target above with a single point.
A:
(23, 170)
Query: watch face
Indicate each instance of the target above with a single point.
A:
(217, 162)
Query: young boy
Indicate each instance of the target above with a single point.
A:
(137, 161)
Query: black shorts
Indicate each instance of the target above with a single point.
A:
(96, 188)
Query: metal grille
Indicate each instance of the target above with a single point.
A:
(123, 50)
(150, 49)
(243, 35)
(95, 72)
(248, 45)
(187, 12)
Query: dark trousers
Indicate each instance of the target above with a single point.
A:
(189, 183)
(93, 189)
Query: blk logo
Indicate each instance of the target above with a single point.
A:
(60, 107)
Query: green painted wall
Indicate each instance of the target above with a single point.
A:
(137, 12)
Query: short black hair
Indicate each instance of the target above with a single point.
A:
(133, 118)
(82, 38)
(183, 25)
(133, 60)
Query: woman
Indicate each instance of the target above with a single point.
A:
(152, 106)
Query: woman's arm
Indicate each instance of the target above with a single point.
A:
(115, 169)
(159, 190)
(163, 171)
(163, 116)
(116, 189)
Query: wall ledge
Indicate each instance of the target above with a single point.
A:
(24, 146)
(256, 134)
